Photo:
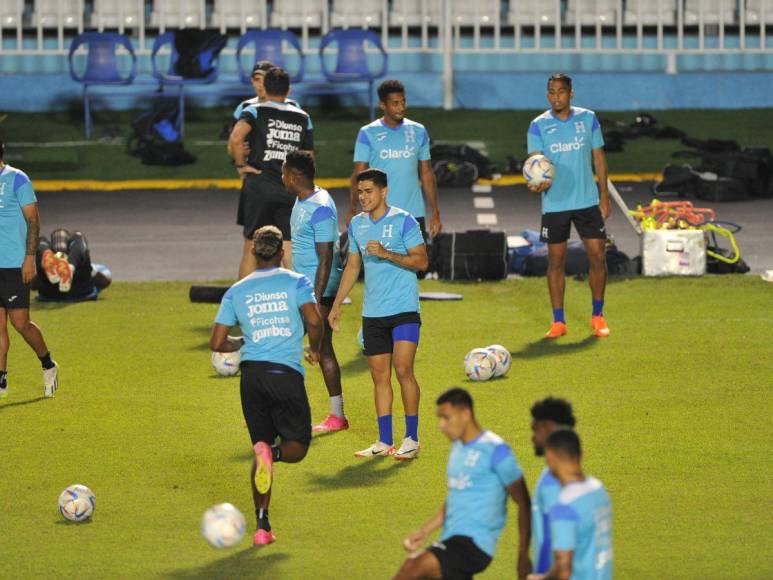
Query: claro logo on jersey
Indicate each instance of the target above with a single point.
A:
(406, 153)
(576, 145)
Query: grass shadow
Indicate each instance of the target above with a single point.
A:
(550, 347)
(4, 406)
(358, 364)
(64, 522)
(247, 563)
(362, 474)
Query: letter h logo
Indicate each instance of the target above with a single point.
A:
(386, 231)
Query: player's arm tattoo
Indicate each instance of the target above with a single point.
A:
(32, 217)
(325, 256)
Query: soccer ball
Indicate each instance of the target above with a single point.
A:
(226, 363)
(223, 525)
(504, 359)
(76, 503)
(538, 169)
(479, 364)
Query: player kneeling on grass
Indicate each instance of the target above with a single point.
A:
(393, 250)
(482, 471)
(271, 306)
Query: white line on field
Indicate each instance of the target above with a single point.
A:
(483, 202)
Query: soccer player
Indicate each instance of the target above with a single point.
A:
(272, 305)
(19, 231)
(314, 224)
(388, 241)
(571, 137)
(581, 521)
(482, 471)
(400, 148)
(273, 128)
(65, 271)
(547, 415)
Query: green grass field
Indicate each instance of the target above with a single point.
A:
(503, 132)
(674, 409)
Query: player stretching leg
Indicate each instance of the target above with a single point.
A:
(393, 250)
(314, 224)
(570, 137)
(19, 231)
(482, 471)
(271, 306)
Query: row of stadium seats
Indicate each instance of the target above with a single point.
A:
(344, 13)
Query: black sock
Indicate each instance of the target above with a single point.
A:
(276, 453)
(262, 517)
(46, 361)
(3, 374)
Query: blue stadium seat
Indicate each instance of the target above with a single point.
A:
(102, 67)
(268, 45)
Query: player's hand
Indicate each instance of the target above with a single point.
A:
(28, 269)
(243, 171)
(435, 225)
(414, 541)
(312, 357)
(350, 214)
(544, 186)
(374, 248)
(524, 565)
(605, 206)
(334, 317)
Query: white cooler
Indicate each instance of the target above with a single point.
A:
(673, 253)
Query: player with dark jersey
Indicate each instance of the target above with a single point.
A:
(272, 129)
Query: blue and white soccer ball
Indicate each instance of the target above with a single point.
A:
(226, 363)
(504, 359)
(538, 169)
(76, 503)
(223, 525)
(479, 364)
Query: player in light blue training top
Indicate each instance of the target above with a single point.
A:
(581, 520)
(387, 240)
(547, 415)
(400, 148)
(571, 138)
(19, 232)
(314, 226)
(482, 471)
(272, 306)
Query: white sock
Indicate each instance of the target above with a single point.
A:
(337, 406)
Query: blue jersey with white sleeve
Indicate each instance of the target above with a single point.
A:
(266, 305)
(568, 144)
(545, 497)
(389, 288)
(15, 193)
(581, 521)
(396, 152)
(315, 220)
(479, 473)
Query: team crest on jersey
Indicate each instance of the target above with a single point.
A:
(386, 231)
(579, 127)
(472, 458)
(410, 135)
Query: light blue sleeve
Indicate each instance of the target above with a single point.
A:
(534, 139)
(305, 292)
(412, 233)
(323, 222)
(597, 139)
(227, 315)
(505, 465)
(22, 187)
(362, 147)
(424, 148)
(563, 527)
(238, 111)
(354, 247)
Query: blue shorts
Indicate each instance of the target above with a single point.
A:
(381, 333)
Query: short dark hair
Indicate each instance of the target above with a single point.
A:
(372, 174)
(267, 242)
(302, 162)
(564, 78)
(456, 397)
(565, 442)
(553, 409)
(388, 87)
(262, 66)
(277, 82)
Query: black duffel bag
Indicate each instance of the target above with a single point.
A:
(470, 255)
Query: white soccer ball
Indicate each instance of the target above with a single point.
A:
(538, 169)
(76, 503)
(504, 359)
(223, 525)
(479, 364)
(226, 363)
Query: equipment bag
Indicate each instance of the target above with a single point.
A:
(470, 255)
(156, 139)
(198, 51)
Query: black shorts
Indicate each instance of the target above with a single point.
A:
(588, 222)
(380, 333)
(327, 301)
(460, 558)
(274, 403)
(264, 202)
(14, 293)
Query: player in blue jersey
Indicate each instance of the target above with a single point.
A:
(581, 520)
(400, 148)
(388, 242)
(314, 225)
(19, 231)
(482, 471)
(547, 416)
(272, 306)
(571, 138)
